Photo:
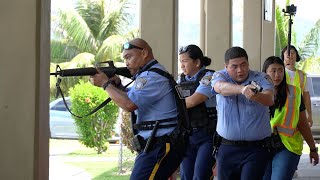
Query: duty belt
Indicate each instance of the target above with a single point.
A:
(149, 125)
(243, 143)
(143, 143)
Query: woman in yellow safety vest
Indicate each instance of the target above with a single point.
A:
(297, 77)
(287, 116)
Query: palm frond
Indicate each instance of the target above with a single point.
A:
(281, 31)
(62, 51)
(115, 21)
(310, 44)
(311, 65)
(92, 14)
(111, 49)
(82, 60)
(77, 31)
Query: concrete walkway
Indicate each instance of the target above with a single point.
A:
(61, 171)
(307, 171)
(58, 170)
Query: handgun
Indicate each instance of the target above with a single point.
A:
(257, 87)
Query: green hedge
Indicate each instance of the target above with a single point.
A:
(96, 128)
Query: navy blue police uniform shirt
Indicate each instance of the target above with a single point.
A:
(204, 87)
(238, 117)
(153, 95)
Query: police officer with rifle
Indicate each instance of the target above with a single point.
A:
(159, 116)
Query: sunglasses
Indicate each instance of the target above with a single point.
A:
(183, 49)
(128, 46)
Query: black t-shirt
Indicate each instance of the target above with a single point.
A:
(302, 105)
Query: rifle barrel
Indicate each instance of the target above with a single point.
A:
(90, 71)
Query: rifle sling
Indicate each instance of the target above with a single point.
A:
(93, 111)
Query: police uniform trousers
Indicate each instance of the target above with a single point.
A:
(242, 162)
(198, 160)
(159, 163)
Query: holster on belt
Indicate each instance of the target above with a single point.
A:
(216, 143)
(138, 143)
(274, 143)
(179, 139)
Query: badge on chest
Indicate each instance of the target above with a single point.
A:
(185, 90)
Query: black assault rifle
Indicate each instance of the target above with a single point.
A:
(109, 70)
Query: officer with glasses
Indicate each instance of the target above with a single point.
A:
(155, 113)
(201, 103)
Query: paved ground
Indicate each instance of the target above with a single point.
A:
(60, 171)
(307, 171)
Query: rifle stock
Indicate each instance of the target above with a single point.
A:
(110, 71)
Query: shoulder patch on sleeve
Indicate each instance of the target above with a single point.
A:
(140, 83)
(217, 74)
(206, 80)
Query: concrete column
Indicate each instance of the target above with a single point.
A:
(202, 24)
(268, 34)
(24, 92)
(159, 27)
(217, 30)
(252, 27)
(258, 34)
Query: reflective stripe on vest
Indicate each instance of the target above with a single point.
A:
(297, 80)
(287, 118)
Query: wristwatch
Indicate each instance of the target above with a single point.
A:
(106, 84)
(314, 149)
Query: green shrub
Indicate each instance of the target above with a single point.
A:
(96, 128)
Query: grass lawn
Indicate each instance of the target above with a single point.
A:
(102, 170)
(103, 166)
(99, 166)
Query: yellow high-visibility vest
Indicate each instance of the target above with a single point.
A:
(286, 121)
(299, 79)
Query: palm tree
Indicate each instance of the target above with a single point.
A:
(92, 31)
(310, 44)
(87, 27)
